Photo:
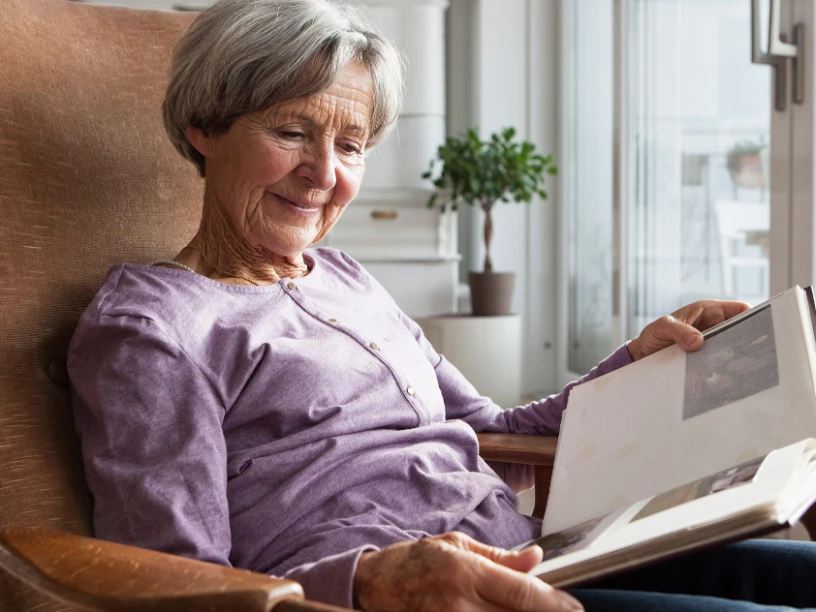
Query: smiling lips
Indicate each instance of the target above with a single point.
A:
(304, 206)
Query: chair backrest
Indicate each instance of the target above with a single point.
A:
(87, 179)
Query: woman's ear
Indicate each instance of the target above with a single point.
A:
(201, 141)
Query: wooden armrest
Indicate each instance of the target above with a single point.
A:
(538, 451)
(518, 448)
(101, 575)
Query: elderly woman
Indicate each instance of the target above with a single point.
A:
(259, 403)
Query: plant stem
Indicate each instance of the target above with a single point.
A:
(488, 235)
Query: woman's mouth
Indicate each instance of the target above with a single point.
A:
(303, 208)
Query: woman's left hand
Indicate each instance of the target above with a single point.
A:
(683, 327)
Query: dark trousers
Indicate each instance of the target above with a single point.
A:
(751, 576)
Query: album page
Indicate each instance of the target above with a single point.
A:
(675, 417)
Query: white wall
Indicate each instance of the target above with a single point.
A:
(502, 67)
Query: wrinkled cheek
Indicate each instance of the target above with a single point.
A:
(331, 216)
(355, 188)
(335, 213)
(349, 182)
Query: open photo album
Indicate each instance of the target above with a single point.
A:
(679, 451)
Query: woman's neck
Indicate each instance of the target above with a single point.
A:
(219, 246)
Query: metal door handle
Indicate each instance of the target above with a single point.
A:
(778, 51)
(798, 64)
(777, 48)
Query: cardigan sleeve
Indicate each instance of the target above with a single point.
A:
(462, 400)
(541, 417)
(149, 422)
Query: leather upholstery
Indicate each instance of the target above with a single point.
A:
(87, 179)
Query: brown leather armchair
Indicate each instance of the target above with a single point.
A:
(88, 179)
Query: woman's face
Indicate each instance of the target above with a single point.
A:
(284, 175)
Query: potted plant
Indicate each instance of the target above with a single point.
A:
(745, 164)
(482, 173)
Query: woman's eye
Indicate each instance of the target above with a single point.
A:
(292, 135)
(351, 148)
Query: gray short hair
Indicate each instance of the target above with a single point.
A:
(246, 55)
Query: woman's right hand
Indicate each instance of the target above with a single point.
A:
(451, 573)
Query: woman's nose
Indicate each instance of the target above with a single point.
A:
(320, 168)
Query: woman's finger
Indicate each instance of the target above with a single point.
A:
(713, 312)
(732, 309)
(521, 561)
(511, 590)
(683, 327)
(670, 330)
(526, 559)
(694, 315)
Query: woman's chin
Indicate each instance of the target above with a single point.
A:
(290, 245)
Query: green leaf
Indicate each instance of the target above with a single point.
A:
(482, 172)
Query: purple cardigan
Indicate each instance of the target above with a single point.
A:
(285, 428)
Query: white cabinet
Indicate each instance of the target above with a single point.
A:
(421, 287)
(394, 225)
(418, 30)
(410, 249)
(399, 162)
(487, 350)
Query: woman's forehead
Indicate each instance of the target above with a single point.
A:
(348, 104)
